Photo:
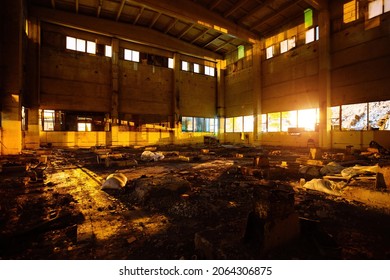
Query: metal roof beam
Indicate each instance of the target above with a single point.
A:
(238, 5)
(120, 10)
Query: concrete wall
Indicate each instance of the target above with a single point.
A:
(360, 59)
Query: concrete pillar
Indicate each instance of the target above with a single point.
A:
(324, 78)
(12, 74)
(221, 100)
(257, 89)
(175, 102)
(113, 136)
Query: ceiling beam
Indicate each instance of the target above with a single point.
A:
(191, 12)
(156, 17)
(139, 15)
(77, 6)
(235, 7)
(186, 30)
(133, 33)
(199, 36)
(224, 44)
(212, 40)
(282, 9)
(174, 21)
(120, 10)
(256, 10)
(53, 4)
(213, 5)
(317, 4)
(99, 8)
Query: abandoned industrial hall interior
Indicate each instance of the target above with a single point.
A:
(195, 130)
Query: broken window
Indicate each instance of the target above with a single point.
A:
(237, 125)
(240, 52)
(108, 51)
(48, 120)
(379, 115)
(375, 8)
(91, 47)
(131, 55)
(289, 119)
(187, 124)
(70, 43)
(264, 122)
(229, 124)
(170, 63)
(308, 14)
(185, 66)
(269, 52)
(354, 116)
(335, 117)
(248, 123)
(274, 122)
(209, 71)
(196, 68)
(308, 119)
(350, 11)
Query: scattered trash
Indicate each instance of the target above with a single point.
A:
(115, 181)
(358, 170)
(150, 156)
(325, 186)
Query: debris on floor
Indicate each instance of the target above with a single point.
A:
(201, 201)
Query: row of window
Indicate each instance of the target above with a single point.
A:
(375, 8)
(311, 35)
(362, 116)
(194, 124)
(90, 47)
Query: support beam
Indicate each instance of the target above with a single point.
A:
(238, 5)
(77, 6)
(156, 17)
(120, 10)
(285, 7)
(212, 40)
(137, 34)
(224, 44)
(214, 4)
(189, 11)
(174, 21)
(53, 4)
(186, 30)
(139, 15)
(316, 4)
(255, 11)
(199, 36)
(257, 90)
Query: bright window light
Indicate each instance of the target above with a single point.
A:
(264, 122)
(229, 124)
(248, 123)
(187, 124)
(274, 122)
(317, 33)
(240, 52)
(335, 117)
(170, 63)
(308, 119)
(354, 116)
(351, 12)
(283, 46)
(375, 8)
(270, 52)
(70, 43)
(131, 55)
(48, 120)
(387, 6)
(80, 45)
(289, 119)
(84, 127)
(379, 115)
(91, 47)
(237, 124)
(291, 43)
(184, 66)
(209, 71)
(108, 51)
(310, 36)
(196, 68)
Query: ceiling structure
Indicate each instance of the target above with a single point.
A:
(215, 26)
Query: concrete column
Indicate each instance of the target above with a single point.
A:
(257, 89)
(113, 139)
(324, 78)
(221, 100)
(175, 102)
(12, 66)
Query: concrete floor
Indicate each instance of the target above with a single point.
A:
(166, 206)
